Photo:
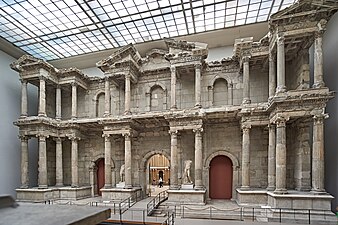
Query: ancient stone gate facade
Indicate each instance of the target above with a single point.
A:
(258, 108)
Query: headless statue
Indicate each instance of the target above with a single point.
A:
(122, 173)
(186, 173)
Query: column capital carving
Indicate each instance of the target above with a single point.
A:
(198, 66)
(173, 132)
(198, 131)
(246, 127)
(73, 138)
(73, 84)
(23, 81)
(23, 137)
(173, 69)
(319, 118)
(271, 125)
(106, 79)
(42, 78)
(127, 76)
(127, 135)
(280, 39)
(246, 58)
(321, 25)
(58, 139)
(281, 121)
(106, 135)
(58, 86)
(230, 85)
(42, 137)
(272, 57)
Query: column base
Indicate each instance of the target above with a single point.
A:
(42, 186)
(318, 191)
(246, 101)
(198, 106)
(74, 186)
(280, 89)
(128, 186)
(42, 114)
(173, 107)
(59, 185)
(199, 188)
(127, 112)
(74, 117)
(318, 85)
(23, 116)
(272, 188)
(245, 188)
(280, 191)
(174, 187)
(24, 186)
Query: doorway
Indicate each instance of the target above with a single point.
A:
(158, 166)
(220, 178)
(100, 175)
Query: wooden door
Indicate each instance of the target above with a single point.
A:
(220, 178)
(100, 175)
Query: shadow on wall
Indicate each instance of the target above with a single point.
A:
(331, 124)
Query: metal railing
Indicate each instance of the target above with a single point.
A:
(156, 201)
(253, 213)
(170, 218)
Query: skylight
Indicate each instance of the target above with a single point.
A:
(55, 29)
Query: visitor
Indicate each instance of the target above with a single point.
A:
(160, 182)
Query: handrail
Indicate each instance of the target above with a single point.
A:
(156, 201)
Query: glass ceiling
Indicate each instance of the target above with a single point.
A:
(55, 29)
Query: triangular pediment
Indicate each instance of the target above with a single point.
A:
(126, 53)
(28, 61)
(306, 8)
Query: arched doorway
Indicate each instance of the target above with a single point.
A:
(100, 175)
(159, 167)
(220, 178)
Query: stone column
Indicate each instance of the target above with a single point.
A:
(107, 161)
(318, 80)
(75, 161)
(246, 157)
(281, 156)
(148, 102)
(42, 97)
(106, 97)
(198, 159)
(24, 103)
(58, 103)
(58, 162)
(272, 74)
(318, 154)
(246, 80)
(280, 64)
(24, 162)
(173, 161)
(173, 88)
(42, 178)
(127, 161)
(230, 94)
(272, 158)
(127, 95)
(198, 85)
(74, 100)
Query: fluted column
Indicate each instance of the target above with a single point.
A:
(24, 103)
(246, 157)
(74, 100)
(198, 85)
(58, 102)
(173, 88)
(173, 161)
(106, 97)
(127, 95)
(230, 94)
(107, 161)
(127, 160)
(246, 80)
(318, 80)
(58, 162)
(24, 162)
(272, 158)
(75, 162)
(281, 156)
(198, 159)
(272, 74)
(42, 97)
(318, 154)
(42, 177)
(280, 64)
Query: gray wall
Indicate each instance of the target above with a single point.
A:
(331, 124)
(10, 95)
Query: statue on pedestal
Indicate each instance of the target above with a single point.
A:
(186, 173)
(122, 173)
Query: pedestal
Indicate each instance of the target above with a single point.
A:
(251, 197)
(187, 197)
(120, 193)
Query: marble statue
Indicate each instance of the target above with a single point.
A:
(186, 173)
(122, 173)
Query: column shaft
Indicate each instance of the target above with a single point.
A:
(246, 80)
(42, 181)
(198, 85)
(281, 156)
(127, 95)
(24, 162)
(42, 97)
(272, 158)
(173, 88)
(280, 65)
(58, 103)
(246, 158)
(198, 159)
(107, 97)
(24, 103)
(75, 161)
(318, 154)
(59, 162)
(74, 100)
(173, 161)
(318, 80)
(107, 161)
(230, 95)
(272, 74)
(127, 161)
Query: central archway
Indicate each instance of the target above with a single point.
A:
(220, 178)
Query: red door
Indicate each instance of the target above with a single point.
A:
(100, 175)
(220, 178)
